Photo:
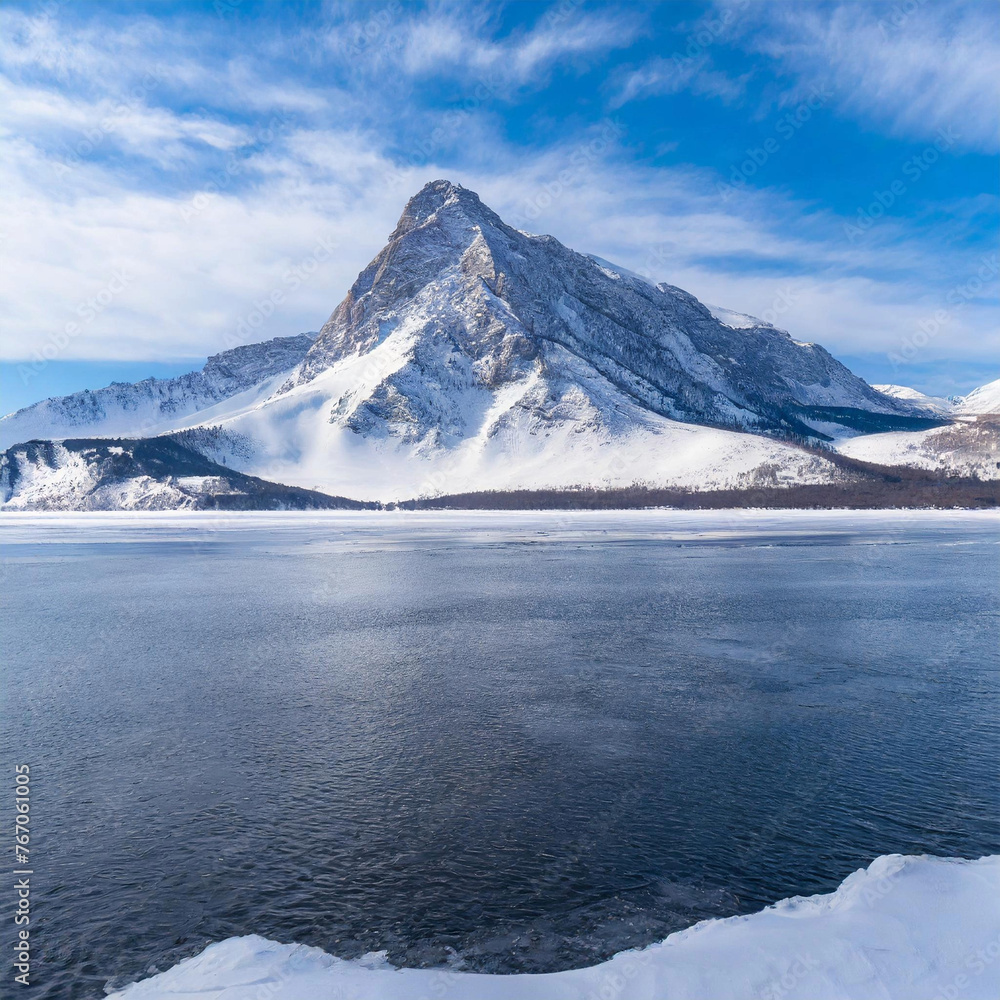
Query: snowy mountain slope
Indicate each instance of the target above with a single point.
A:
(985, 399)
(151, 474)
(157, 405)
(935, 404)
(969, 446)
(342, 432)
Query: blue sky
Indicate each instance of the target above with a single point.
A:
(169, 166)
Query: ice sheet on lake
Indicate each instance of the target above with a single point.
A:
(905, 928)
(390, 529)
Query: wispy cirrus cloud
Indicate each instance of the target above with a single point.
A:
(34, 42)
(911, 68)
(672, 75)
(689, 65)
(461, 41)
(138, 59)
(76, 126)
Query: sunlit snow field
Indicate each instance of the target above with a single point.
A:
(504, 742)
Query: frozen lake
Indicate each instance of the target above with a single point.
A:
(527, 740)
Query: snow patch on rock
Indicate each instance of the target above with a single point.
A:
(736, 320)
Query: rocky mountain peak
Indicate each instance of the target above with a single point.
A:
(456, 289)
(442, 196)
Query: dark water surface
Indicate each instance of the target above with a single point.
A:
(526, 740)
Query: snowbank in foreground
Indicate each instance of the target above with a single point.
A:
(912, 928)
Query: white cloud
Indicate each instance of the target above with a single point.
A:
(910, 67)
(450, 40)
(38, 42)
(671, 76)
(196, 265)
(76, 127)
(136, 60)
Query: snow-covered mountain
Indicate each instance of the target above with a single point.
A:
(154, 405)
(472, 356)
(967, 445)
(489, 306)
(935, 404)
(985, 399)
(469, 355)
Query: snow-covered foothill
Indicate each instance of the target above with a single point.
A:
(985, 399)
(241, 376)
(905, 928)
(151, 474)
(936, 404)
(968, 446)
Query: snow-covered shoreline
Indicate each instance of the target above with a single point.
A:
(905, 928)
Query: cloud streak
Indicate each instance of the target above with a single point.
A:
(912, 68)
(448, 40)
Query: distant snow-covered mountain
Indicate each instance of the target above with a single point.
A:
(934, 404)
(985, 399)
(472, 356)
(968, 445)
(146, 408)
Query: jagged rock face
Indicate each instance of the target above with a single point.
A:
(244, 366)
(154, 404)
(480, 300)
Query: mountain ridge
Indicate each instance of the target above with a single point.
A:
(469, 356)
(155, 402)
